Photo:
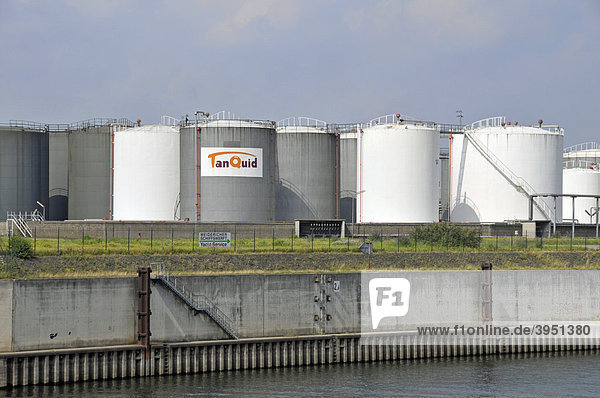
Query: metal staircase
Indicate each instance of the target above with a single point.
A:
(196, 302)
(19, 220)
(518, 182)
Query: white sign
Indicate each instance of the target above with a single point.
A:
(389, 298)
(214, 239)
(231, 162)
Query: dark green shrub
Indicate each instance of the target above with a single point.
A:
(21, 247)
(443, 234)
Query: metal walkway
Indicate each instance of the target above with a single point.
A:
(196, 302)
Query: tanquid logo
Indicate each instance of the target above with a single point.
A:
(389, 297)
(235, 159)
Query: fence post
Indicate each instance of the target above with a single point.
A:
(171, 239)
(556, 241)
(194, 239)
(526, 234)
(105, 239)
(329, 249)
(82, 239)
(312, 242)
(293, 240)
(254, 248)
(151, 239)
(235, 237)
(58, 241)
(128, 238)
(398, 249)
(496, 240)
(273, 230)
(542, 241)
(416, 241)
(34, 239)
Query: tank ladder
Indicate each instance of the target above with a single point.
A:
(196, 302)
(518, 182)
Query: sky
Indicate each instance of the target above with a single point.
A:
(339, 61)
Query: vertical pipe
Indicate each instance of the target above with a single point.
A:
(112, 170)
(597, 217)
(198, 170)
(573, 220)
(337, 176)
(360, 179)
(554, 223)
(450, 138)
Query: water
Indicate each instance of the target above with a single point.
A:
(552, 374)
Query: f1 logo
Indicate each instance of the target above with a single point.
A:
(389, 297)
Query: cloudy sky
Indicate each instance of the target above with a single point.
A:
(339, 61)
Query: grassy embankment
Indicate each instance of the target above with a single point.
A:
(93, 247)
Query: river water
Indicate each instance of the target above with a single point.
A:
(551, 374)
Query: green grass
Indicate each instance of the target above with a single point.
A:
(93, 246)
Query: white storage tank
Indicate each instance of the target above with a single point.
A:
(397, 171)
(308, 160)
(146, 173)
(496, 165)
(581, 175)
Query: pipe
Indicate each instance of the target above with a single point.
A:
(112, 170)
(450, 138)
(360, 179)
(337, 176)
(573, 220)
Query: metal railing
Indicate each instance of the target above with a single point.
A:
(169, 121)
(493, 121)
(20, 219)
(302, 121)
(585, 146)
(518, 182)
(222, 115)
(62, 127)
(580, 164)
(398, 119)
(197, 302)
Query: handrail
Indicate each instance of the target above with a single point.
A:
(169, 121)
(302, 121)
(493, 121)
(398, 119)
(580, 164)
(222, 115)
(584, 146)
(62, 127)
(197, 302)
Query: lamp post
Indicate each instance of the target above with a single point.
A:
(43, 209)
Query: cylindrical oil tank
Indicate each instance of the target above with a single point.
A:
(584, 156)
(58, 202)
(89, 173)
(348, 191)
(397, 171)
(23, 169)
(581, 178)
(308, 159)
(228, 167)
(496, 166)
(146, 173)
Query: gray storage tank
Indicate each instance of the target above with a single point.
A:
(347, 171)
(23, 167)
(58, 178)
(90, 168)
(229, 167)
(308, 158)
